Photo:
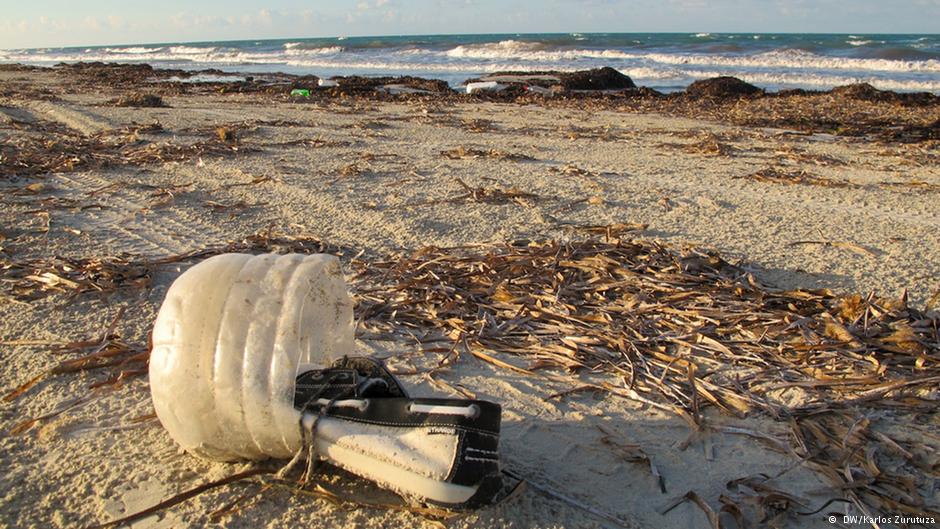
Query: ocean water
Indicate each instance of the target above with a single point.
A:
(663, 61)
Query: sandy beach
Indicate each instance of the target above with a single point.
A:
(378, 176)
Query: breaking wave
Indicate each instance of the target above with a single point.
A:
(904, 62)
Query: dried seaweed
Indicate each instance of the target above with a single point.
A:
(587, 175)
(611, 232)
(791, 154)
(311, 142)
(789, 177)
(239, 205)
(633, 454)
(856, 110)
(183, 497)
(477, 125)
(699, 502)
(226, 134)
(35, 279)
(493, 195)
(139, 100)
(462, 153)
(681, 331)
(35, 154)
(708, 144)
(105, 351)
(912, 185)
(27, 281)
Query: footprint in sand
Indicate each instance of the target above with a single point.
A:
(136, 497)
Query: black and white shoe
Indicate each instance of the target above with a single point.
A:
(439, 451)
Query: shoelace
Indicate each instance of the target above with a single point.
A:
(308, 445)
(308, 432)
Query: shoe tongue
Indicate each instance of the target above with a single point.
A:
(330, 383)
(348, 378)
(368, 368)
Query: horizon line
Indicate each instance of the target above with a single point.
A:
(268, 39)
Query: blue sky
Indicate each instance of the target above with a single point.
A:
(48, 23)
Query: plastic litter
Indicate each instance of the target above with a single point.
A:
(327, 83)
(251, 361)
(540, 90)
(300, 92)
(485, 86)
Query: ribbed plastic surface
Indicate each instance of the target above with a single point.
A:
(226, 346)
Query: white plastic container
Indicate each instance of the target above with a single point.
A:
(542, 91)
(485, 86)
(229, 341)
(326, 83)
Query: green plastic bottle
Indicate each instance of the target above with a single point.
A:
(300, 92)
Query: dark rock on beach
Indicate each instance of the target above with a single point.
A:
(355, 84)
(139, 100)
(861, 91)
(867, 92)
(304, 82)
(116, 74)
(722, 88)
(605, 78)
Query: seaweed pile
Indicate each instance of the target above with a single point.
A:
(683, 332)
(36, 279)
(790, 177)
(43, 147)
(858, 110)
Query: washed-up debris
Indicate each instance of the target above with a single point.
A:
(139, 100)
(311, 142)
(784, 176)
(461, 153)
(848, 111)
(632, 453)
(867, 92)
(493, 195)
(355, 84)
(484, 195)
(597, 79)
(722, 88)
(605, 78)
(681, 331)
(484, 86)
(33, 280)
(254, 181)
(226, 134)
(36, 279)
(477, 125)
(106, 351)
(611, 232)
(706, 143)
(50, 149)
(240, 205)
(912, 185)
(791, 154)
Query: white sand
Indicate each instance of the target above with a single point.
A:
(90, 464)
